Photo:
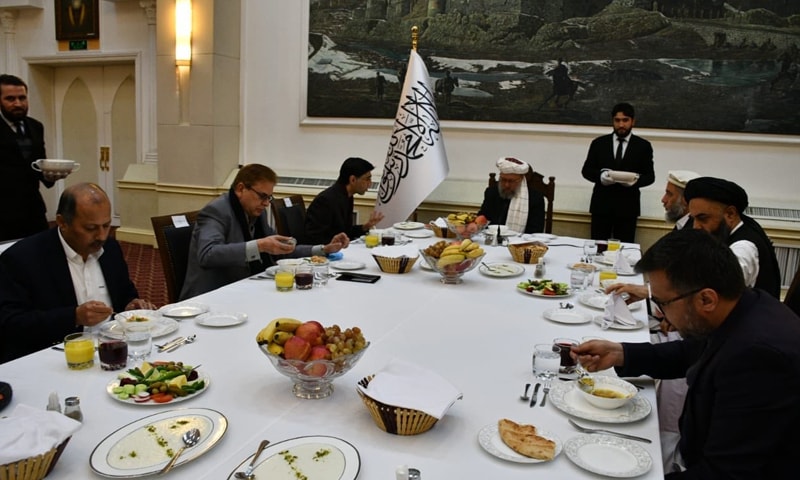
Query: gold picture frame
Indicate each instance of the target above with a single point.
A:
(77, 19)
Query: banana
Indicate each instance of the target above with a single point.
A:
(266, 333)
(281, 337)
(450, 259)
(473, 246)
(452, 249)
(465, 244)
(275, 349)
(475, 253)
(287, 324)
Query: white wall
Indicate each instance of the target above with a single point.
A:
(274, 63)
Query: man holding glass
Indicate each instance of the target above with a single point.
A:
(739, 356)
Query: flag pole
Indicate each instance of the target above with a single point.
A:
(414, 32)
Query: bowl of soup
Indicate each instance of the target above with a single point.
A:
(607, 392)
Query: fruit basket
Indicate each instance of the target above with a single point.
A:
(441, 232)
(529, 252)
(466, 225)
(452, 272)
(395, 420)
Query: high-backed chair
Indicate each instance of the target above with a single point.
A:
(173, 246)
(535, 181)
(290, 216)
(792, 298)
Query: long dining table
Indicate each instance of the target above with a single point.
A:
(479, 335)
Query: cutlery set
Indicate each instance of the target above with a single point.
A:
(176, 343)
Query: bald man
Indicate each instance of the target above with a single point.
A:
(61, 280)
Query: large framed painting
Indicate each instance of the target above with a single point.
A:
(77, 19)
(705, 65)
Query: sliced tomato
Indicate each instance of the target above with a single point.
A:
(161, 397)
(548, 292)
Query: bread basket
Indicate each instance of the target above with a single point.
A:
(395, 264)
(33, 468)
(529, 252)
(395, 420)
(441, 232)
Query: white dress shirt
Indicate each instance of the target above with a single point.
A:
(87, 276)
(747, 254)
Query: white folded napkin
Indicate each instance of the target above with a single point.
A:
(29, 432)
(623, 177)
(396, 251)
(440, 222)
(406, 385)
(616, 311)
(621, 264)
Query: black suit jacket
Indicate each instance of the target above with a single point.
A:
(22, 209)
(618, 200)
(495, 209)
(37, 298)
(741, 415)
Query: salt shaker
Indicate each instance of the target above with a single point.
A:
(413, 474)
(72, 408)
(539, 270)
(53, 403)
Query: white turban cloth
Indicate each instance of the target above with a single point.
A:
(512, 165)
(680, 178)
(517, 217)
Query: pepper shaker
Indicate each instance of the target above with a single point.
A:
(53, 403)
(72, 408)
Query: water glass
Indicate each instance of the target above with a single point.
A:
(79, 350)
(546, 360)
(578, 279)
(589, 249)
(567, 364)
(304, 277)
(113, 353)
(388, 239)
(139, 340)
(321, 273)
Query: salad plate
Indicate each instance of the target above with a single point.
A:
(489, 439)
(183, 310)
(598, 300)
(568, 316)
(501, 269)
(159, 327)
(565, 397)
(544, 288)
(408, 225)
(609, 456)
(346, 265)
(219, 319)
(316, 457)
(141, 448)
(201, 376)
(537, 293)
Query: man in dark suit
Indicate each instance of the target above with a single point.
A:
(61, 280)
(739, 357)
(22, 209)
(511, 202)
(618, 164)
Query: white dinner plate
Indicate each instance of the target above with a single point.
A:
(139, 448)
(598, 320)
(219, 319)
(315, 457)
(598, 300)
(565, 397)
(609, 456)
(347, 265)
(158, 328)
(489, 439)
(536, 293)
(500, 269)
(183, 310)
(421, 233)
(569, 316)
(201, 375)
(269, 272)
(408, 225)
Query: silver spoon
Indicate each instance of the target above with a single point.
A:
(525, 396)
(190, 439)
(248, 473)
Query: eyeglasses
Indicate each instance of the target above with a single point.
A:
(264, 197)
(663, 304)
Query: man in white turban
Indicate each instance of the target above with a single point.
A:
(511, 203)
(675, 206)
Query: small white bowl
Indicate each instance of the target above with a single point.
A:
(609, 383)
(55, 165)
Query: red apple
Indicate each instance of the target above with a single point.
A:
(296, 348)
(481, 220)
(319, 352)
(311, 331)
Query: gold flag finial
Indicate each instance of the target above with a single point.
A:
(414, 32)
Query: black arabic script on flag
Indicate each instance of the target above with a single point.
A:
(416, 129)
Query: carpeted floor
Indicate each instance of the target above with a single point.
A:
(144, 264)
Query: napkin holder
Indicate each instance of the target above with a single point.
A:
(395, 420)
(34, 468)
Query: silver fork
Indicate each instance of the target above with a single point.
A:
(546, 391)
(609, 432)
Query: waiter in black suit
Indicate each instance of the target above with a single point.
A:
(618, 164)
(22, 209)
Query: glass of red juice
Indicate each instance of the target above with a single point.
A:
(304, 277)
(113, 353)
(563, 346)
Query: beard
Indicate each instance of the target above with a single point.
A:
(675, 212)
(506, 193)
(15, 115)
(722, 232)
(693, 326)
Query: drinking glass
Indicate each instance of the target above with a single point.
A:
(387, 238)
(607, 274)
(139, 340)
(546, 360)
(613, 244)
(589, 249)
(372, 239)
(578, 278)
(113, 353)
(284, 279)
(304, 277)
(567, 363)
(79, 350)
(321, 273)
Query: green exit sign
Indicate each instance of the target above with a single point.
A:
(77, 44)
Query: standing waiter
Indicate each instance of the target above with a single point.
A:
(22, 209)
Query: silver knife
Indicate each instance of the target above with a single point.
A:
(183, 341)
(171, 343)
(535, 394)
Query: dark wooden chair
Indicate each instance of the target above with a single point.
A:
(290, 217)
(536, 182)
(792, 298)
(173, 246)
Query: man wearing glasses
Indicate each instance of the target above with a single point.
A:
(739, 356)
(232, 239)
(511, 203)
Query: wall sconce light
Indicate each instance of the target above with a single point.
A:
(183, 32)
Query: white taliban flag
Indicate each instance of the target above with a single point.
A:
(416, 162)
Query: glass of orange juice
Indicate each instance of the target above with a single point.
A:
(613, 244)
(372, 239)
(79, 350)
(284, 279)
(607, 274)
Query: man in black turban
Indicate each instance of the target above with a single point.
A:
(717, 206)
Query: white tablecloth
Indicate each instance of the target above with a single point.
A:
(479, 335)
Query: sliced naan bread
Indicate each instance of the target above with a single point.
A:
(524, 440)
